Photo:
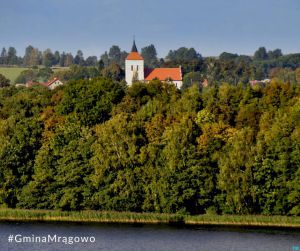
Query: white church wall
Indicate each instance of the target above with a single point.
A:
(133, 66)
(178, 84)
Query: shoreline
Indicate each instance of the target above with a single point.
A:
(259, 221)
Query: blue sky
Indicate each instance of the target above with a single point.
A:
(211, 26)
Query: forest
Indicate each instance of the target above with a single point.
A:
(99, 144)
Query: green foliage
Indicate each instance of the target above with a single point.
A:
(4, 82)
(76, 72)
(96, 144)
(227, 56)
(90, 101)
(260, 54)
(150, 56)
(192, 78)
(113, 71)
(61, 162)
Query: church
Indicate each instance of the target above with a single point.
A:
(135, 70)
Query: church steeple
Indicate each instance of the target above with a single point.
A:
(134, 49)
(134, 66)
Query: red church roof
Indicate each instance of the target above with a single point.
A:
(134, 56)
(165, 74)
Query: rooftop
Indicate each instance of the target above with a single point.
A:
(134, 56)
(164, 74)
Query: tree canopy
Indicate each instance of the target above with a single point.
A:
(97, 144)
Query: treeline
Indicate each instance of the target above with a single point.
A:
(97, 144)
(228, 67)
(34, 57)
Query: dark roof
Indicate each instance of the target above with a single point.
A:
(134, 49)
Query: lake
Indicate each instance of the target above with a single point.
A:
(123, 237)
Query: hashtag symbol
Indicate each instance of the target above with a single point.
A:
(10, 238)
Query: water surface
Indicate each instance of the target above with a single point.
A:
(123, 237)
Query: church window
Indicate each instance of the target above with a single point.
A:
(132, 68)
(137, 67)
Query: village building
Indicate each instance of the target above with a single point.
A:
(52, 84)
(135, 70)
(263, 82)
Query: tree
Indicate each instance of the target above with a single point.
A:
(44, 74)
(56, 60)
(116, 162)
(297, 73)
(113, 71)
(115, 54)
(26, 76)
(236, 174)
(260, 54)
(192, 78)
(183, 54)
(227, 56)
(91, 101)
(62, 59)
(91, 61)
(3, 56)
(101, 65)
(76, 72)
(27, 55)
(275, 54)
(16, 158)
(105, 59)
(12, 58)
(79, 59)
(150, 56)
(68, 59)
(189, 59)
(48, 58)
(53, 184)
(32, 56)
(4, 81)
(124, 54)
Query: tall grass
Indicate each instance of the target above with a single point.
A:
(151, 218)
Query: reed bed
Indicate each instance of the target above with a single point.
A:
(147, 218)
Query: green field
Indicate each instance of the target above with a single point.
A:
(11, 72)
(148, 218)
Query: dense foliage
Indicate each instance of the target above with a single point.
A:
(4, 81)
(97, 144)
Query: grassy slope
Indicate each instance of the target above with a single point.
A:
(11, 72)
(151, 218)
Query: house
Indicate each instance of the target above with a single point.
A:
(205, 83)
(135, 70)
(52, 84)
(260, 82)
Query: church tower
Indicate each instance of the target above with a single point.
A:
(134, 66)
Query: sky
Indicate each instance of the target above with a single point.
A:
(210, 26)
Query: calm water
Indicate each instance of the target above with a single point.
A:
(144, 237)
